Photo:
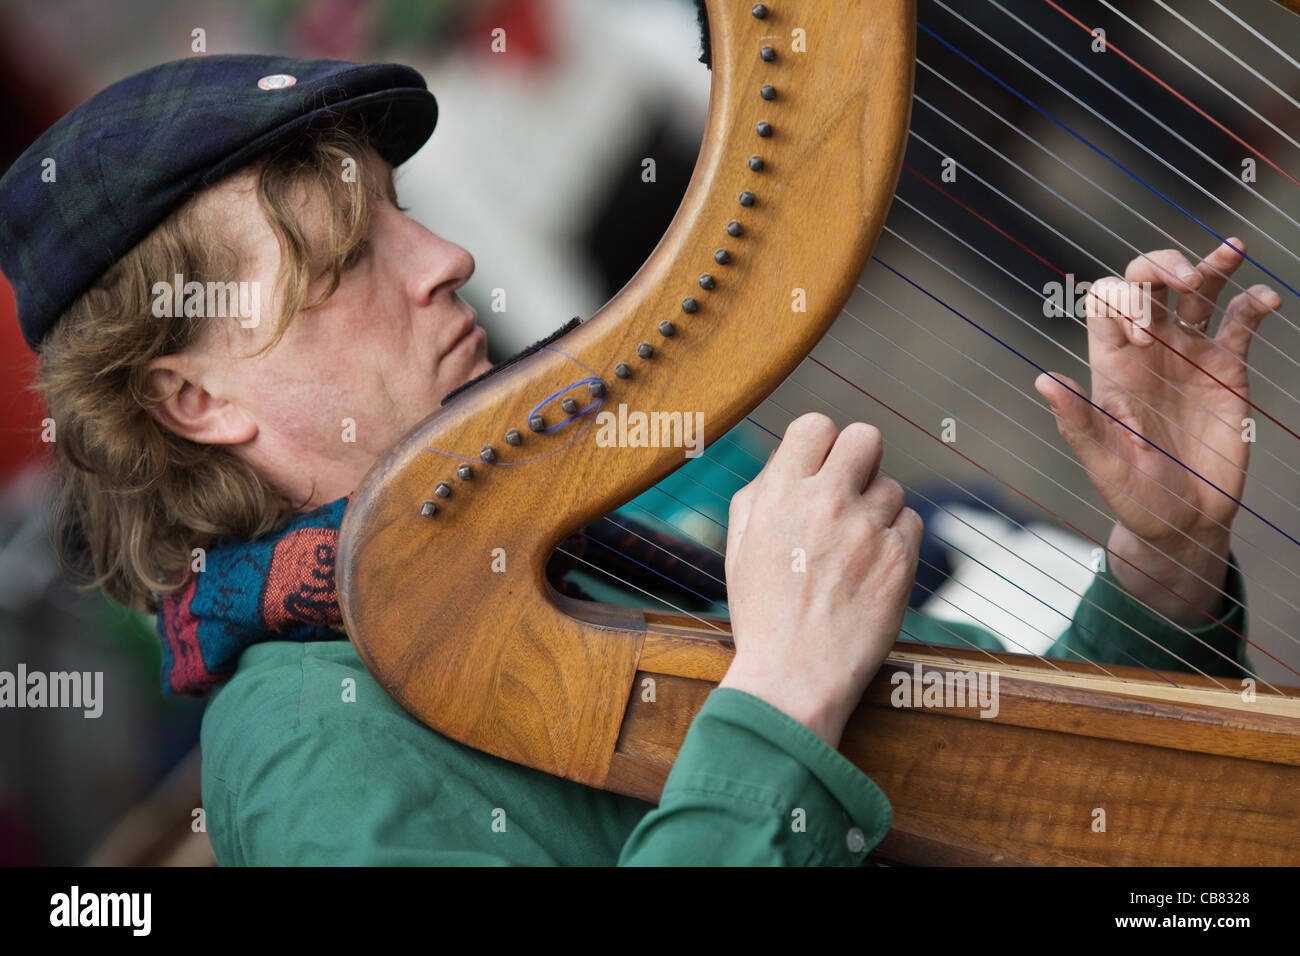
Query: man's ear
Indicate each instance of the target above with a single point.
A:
(189, 410)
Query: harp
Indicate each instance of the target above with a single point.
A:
(799, 166)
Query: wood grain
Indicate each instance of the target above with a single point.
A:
(495, 659)
(489, 659)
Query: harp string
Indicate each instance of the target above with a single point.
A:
(1163, 85)
(935, 594)
(966, 611)
(1271, 455)
(1032, 434)
(1168, 347)
(1028, 464)
(1196, 69)
(619, 579)
(655, 571)
(1044, 441)
(654, 597)
(1034, 501)
(1040, 368)
(985, 624)
(937, 536)
(1015, 490)
(676, 529)
(1100, 152)
(1254, 33)
(682, 531)
(1080, 360)
(1074, 355)
(1212, 342)
(924, 587)
(1005, 637)
(659, 547)
(1105, 192)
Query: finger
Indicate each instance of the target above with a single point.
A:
(1117, 314)
(1164, 267)
(884, 499)
(1243, 316)
(911, 527)
(803, 449)
(1076, 418)
(742, 502)
(1215, 270)
(855, 458)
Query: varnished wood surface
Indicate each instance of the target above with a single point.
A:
(488, 658)
(501, 663)
(1027, 786)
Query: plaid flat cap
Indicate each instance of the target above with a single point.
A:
(99, 180)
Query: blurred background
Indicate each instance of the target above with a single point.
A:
(1034, 157)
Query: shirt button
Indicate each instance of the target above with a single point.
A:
(856, 840)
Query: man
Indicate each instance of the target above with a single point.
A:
(206, 453)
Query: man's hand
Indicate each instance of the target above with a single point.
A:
(812, 628)
(1167, 515)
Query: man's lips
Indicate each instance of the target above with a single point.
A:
(468, 328)
(469, 335)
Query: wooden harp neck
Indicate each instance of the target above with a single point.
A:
(492, 659)
(487, 654)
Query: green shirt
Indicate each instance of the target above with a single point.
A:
(295, 774)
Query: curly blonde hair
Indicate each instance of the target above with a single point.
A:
(134, 499)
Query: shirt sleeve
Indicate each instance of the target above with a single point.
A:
(294, 776)
(1113, 627)
(752, 786)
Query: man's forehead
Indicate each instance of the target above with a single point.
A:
(230, 207)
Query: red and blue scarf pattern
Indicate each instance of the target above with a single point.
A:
(279, 587)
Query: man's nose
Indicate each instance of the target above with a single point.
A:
(446, 265)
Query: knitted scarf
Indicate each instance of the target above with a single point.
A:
(279, 587)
